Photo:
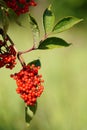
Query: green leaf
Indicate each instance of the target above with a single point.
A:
(35, 30)
(33, 108)
(13, 16)
(28, 118)
(65, 24)
(4, 20)
(29, 113)
(53, 42)
(48, 20)
(3, 3)
(36, 62)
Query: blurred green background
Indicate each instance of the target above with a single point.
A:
(63, 104)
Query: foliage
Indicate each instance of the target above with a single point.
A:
(27, 87)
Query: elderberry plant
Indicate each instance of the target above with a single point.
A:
(29, 81)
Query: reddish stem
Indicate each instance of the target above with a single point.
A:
(19, 53)
(20, 58)
(26, 51)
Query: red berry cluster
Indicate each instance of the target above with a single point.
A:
(29, 84)
(7, 55)
(20, 6)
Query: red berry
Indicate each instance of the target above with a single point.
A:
(7, 55)
(20, 6)
(29, 84)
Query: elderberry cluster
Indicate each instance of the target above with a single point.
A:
(7, 55)
(29, 84)
(20, 6)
